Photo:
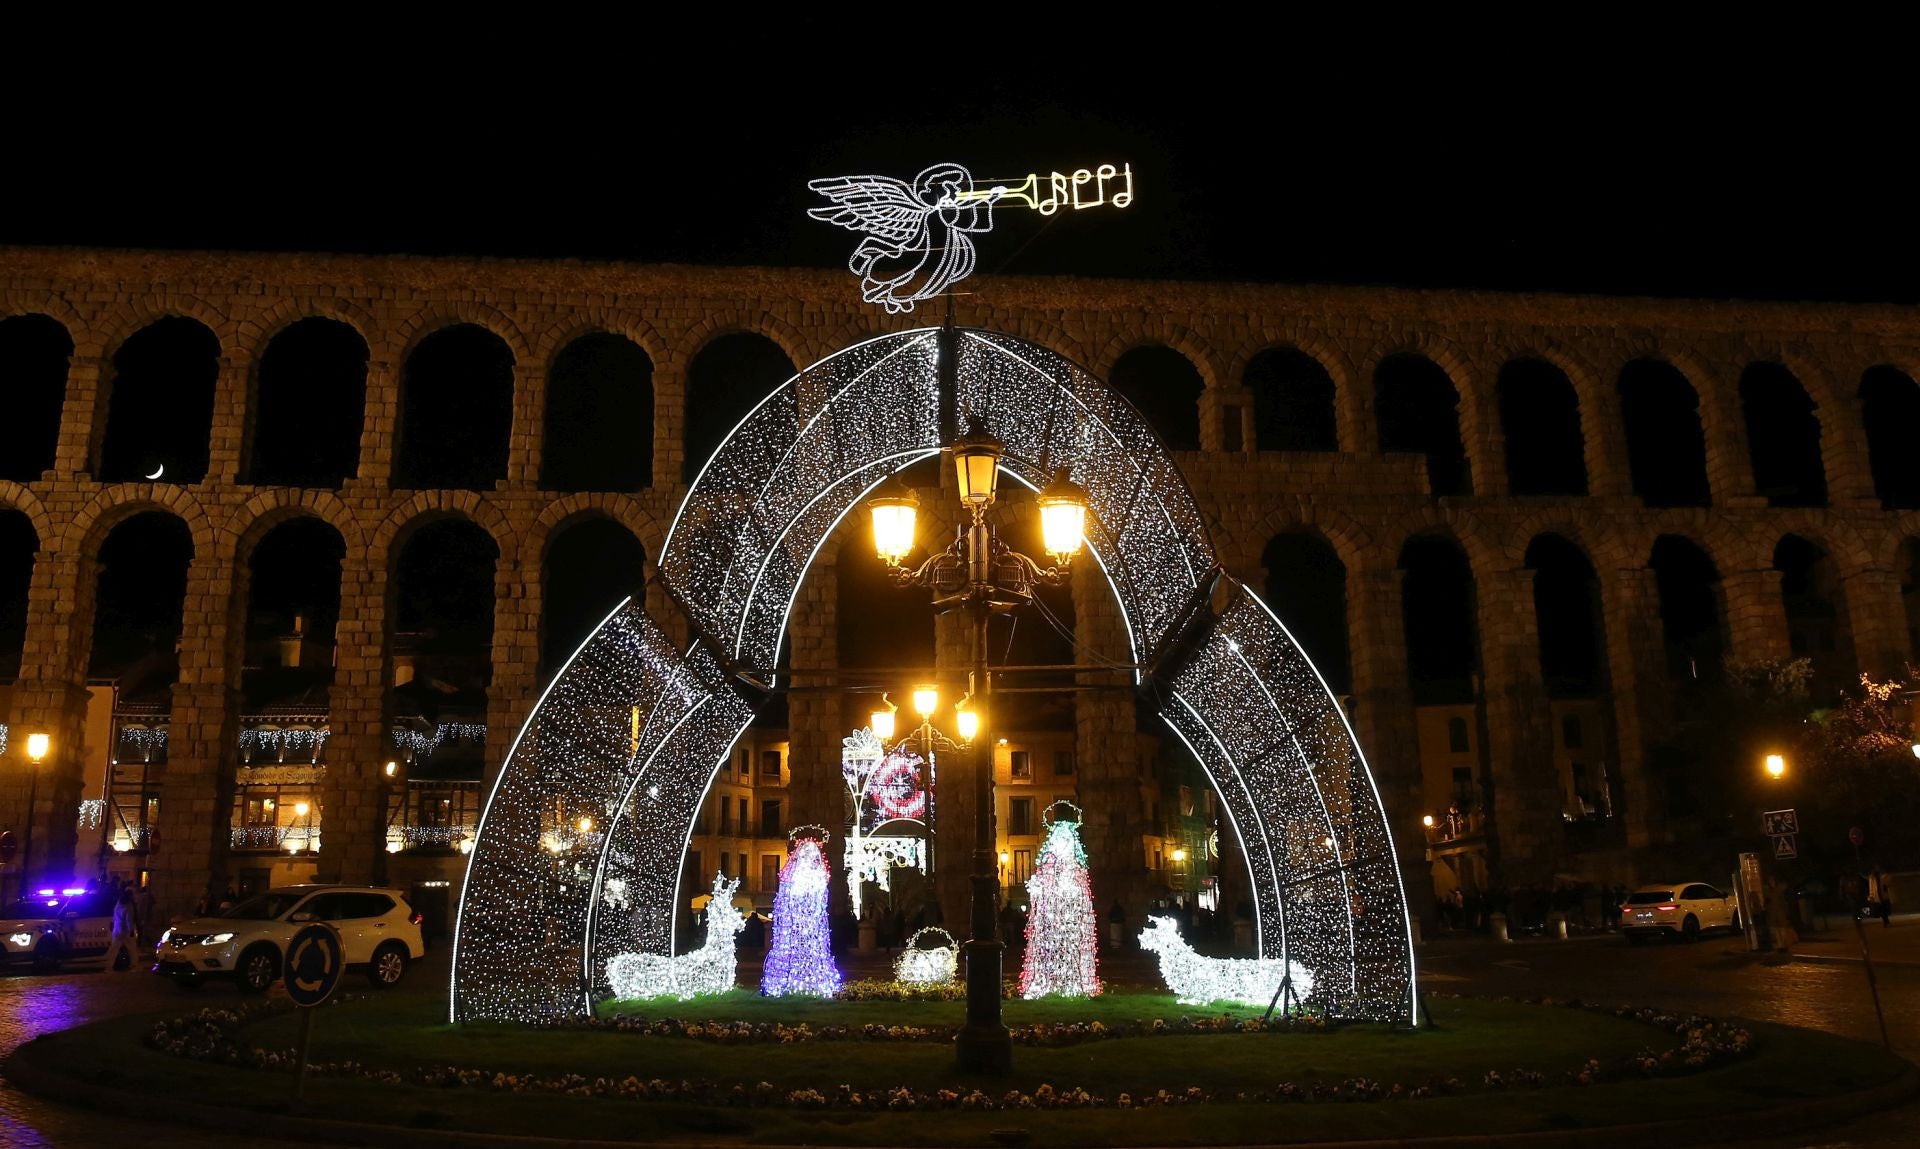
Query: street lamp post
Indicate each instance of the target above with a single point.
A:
(37, 746)
(982, 576)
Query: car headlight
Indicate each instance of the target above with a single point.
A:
(20, 939)
(166, 937)
(219, 939)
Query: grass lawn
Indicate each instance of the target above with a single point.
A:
(1472, 1037)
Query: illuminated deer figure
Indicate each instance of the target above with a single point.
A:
(1198, 980)
(709, 969)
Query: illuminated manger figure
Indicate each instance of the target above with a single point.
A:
(1060, 925)
(1198, 980)
(800, 959)
(709, 969)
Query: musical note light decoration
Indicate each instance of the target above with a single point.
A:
(916, 236)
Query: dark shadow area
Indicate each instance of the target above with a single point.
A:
(598, 433)
(1910, 594)
(1890, 408)
(1438, 611)
(1666, 444)
(1293, 402)
(293, 606)
(456, 411)
(443, 615)
(17, 546)
(591, 565)
(725, 381)
(138, 604)
(1307, 587)
(35, 351)
(1783, 437)
(312, 397)
(1166, 387)
(1817, 625)
(1566, 603)
(1540, 416)
(1692, 620)
(1419, 412)
(160, 404)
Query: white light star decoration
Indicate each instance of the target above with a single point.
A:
(1198, 980)
(709, 969)
(930, 957)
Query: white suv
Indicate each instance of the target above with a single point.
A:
(380, 931)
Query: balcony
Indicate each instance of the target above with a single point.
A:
(1456, 833)
(291, 839)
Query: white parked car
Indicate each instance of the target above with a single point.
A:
(1678, 909)
(380, 931)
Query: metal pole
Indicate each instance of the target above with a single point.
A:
(983, 1044)
(26, 847)
(1873, 983)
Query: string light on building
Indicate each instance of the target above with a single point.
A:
(800, 960)
(1061, 930)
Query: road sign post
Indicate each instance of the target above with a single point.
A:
(315, 960)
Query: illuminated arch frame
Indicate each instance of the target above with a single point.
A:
(633, 728)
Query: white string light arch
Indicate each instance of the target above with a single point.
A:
(631, 732)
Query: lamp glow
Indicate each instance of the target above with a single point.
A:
(1916, 749)
(1776, 766)
(1063, 517)
(586, 825)
(967, 721)
(392, 768)
(300, 809)
(976, 464)
(1427, 821)
(926, 699)
(1005, 857)
(37, 746)
(1179, 855)
(894, 508)
(881, 721)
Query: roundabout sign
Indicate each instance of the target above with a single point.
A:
(315, 960)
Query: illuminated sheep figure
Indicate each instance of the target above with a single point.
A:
(1198, 980)
(709, 969)
(934, 965)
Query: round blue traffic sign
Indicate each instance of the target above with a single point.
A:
(315, 961)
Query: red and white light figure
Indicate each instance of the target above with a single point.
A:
(896, 791)
(1061, 931)
(800, 959)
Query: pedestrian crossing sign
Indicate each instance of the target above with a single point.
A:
(1785, 847)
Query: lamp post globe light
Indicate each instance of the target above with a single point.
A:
(982, 576)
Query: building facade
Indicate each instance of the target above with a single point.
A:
(1511, 529)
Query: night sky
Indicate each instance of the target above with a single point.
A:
(1643, 176)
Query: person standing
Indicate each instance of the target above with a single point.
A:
(1880, 897)
(125, 931)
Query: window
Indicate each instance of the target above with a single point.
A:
(1020, 763)
(1649, 897)
(1457, 736)
(723, 865)
(743, 867)
(1697, 892)
(726, 815)
(1020, 815)
(770, 764)
(1186, 801)
(1022, 865)
(770, 818)
(769, 872)
(1463, 786)
(1063, 763)
(1572, 736)
(744, 823)
(1158, 862)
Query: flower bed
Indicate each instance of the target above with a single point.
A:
(218, 1036)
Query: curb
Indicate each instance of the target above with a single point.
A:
(20, 1070)
(1842, 959)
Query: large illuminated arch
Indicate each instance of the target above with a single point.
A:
(632, 730)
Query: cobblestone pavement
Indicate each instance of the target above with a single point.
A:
(1714, 976)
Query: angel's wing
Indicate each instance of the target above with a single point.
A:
(872, 205)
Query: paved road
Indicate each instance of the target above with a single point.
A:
(1715, 976)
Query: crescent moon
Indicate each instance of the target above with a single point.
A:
(158, 471)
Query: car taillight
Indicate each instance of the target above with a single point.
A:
(418, 918)
(1670, 907)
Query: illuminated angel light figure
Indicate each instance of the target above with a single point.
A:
(915, 241)
(1060, 925)
(800, 961)
(1198, 980)
(709, 969)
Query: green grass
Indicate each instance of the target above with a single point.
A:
(1473, 1037)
